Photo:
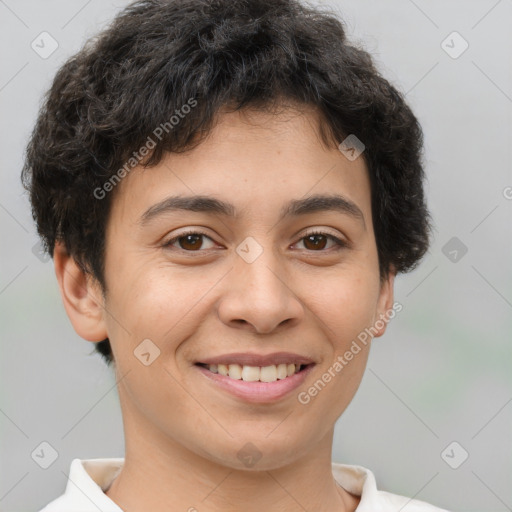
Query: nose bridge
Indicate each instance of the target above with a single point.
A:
(258, 292)
(258, 269)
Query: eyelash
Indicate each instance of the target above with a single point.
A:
(341, 244)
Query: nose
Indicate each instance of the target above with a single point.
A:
(259, 296)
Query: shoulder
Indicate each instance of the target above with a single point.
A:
(388, 501)
(57, 505)
(87, 480)
(360, 482)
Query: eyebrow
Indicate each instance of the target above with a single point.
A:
(296, 207)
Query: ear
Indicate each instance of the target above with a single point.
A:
(385, 310)
(81, 295)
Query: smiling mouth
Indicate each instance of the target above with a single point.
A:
(270, 373)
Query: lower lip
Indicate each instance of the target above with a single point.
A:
(258, 392)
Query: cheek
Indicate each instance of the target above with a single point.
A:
(155, 303)
(346, 304)
(345, 308)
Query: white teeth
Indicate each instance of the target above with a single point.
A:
(235, 371)
(255, 373)
(251, 373)
(282, 371)
(268, 374)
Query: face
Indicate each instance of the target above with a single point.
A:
(258, 275)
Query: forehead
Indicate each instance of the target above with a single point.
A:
(256, 161)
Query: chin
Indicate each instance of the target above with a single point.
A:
(259, 452)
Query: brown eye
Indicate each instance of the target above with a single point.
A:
(192, 241)
(317, 242)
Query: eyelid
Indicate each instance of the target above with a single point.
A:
(190, 231)
(340, 242)
(325, 232)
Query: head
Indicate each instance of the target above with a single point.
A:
(245, 104)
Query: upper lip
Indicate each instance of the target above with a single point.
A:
(250, 359)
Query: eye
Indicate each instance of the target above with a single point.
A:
(193, 241)
(190, 241)
(317, 240)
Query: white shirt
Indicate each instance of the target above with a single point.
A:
(88, 479)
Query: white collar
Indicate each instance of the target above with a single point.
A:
(89, 478)
(87, 481)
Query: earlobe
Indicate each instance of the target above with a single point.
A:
(385, 304)
(81, 296)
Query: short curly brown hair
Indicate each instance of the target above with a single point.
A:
(158, 54)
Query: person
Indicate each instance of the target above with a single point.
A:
(228, 190)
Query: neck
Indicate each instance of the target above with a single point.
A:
(159, 472)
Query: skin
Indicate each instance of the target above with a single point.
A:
(182, 432)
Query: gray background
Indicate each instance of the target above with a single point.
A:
(442, 372)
